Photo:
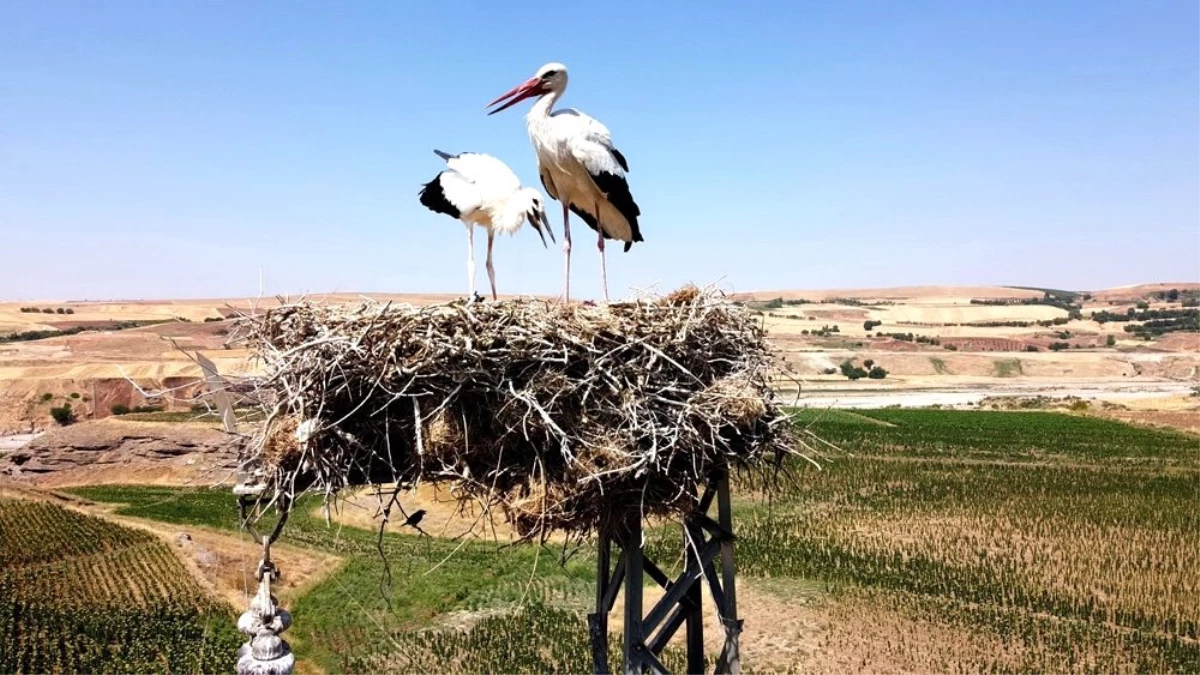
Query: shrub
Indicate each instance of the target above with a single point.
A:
(225, 331)
(74, 394)
(211, 319)
(1080, 405)
(1059, 346)
(868, 363)
(63, 415)
(852, 371)
(1031, 348)
(60, 310)
(47, 310)
(119, 409)
(47, 396)
(1110, 341)
(869, 324)
(70, 311)
(877, 373)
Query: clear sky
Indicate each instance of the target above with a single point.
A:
(159, 149)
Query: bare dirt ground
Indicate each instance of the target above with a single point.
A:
(444, 516)
(901, 293)
(1137, 292)
(92, 370)
(1183, 420)
(102, 367)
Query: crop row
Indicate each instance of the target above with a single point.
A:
(1017, 436)
(35, 532)
(113, 600)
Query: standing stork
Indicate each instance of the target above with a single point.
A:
(578, 166)
(481, 190)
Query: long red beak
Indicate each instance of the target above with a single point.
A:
(528, 88)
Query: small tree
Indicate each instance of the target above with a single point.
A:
(63, 414)
(868, 363)
(1110, 341)
(60, 310)
(1173, 295)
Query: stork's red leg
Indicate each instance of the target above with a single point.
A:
(490, 269)
(471, 259)
(567, 253)
(600, 245)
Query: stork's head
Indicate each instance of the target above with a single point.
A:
(551, 77)
(531, 201)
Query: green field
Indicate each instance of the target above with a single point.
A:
(931, 541)
(80, 594)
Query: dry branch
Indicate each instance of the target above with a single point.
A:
(571, 418)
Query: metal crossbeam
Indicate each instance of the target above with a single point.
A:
(647, 633)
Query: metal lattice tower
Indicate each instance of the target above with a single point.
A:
(646, 633)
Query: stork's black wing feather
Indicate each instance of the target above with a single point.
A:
(434, 198)
(616, 190)
(620, 159)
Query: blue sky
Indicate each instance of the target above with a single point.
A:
(161, 149)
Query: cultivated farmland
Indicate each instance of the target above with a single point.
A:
(931, 541)
(80, 594)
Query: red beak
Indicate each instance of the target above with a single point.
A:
(527, 89)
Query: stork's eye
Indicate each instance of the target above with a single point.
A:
(549, 74)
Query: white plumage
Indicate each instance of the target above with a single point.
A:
(578, 165)
(481, 190)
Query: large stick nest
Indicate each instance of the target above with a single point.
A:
(571, 418)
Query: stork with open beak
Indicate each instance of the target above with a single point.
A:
(578, 164)
(481, 190)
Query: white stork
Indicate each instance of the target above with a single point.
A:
(481, 190)
(578, 166)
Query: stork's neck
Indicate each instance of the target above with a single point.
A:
(544, 105)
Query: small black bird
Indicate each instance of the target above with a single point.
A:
(414, 520)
